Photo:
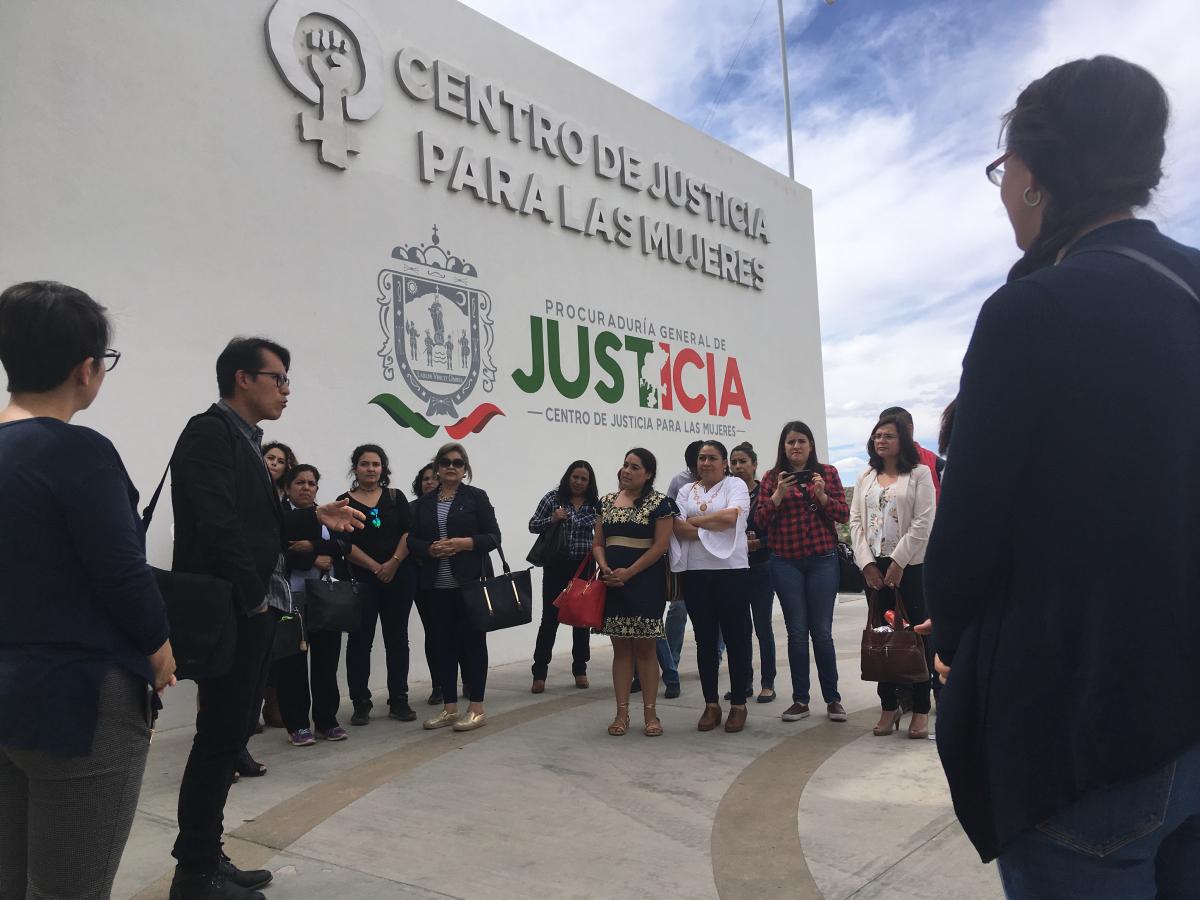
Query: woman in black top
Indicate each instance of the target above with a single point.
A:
(575, 503)
(424, 481)
(1068, 724)
(453, 531)
(83, 630)
(375, 557)
(280, 460)
(743, 462)
(311, 559)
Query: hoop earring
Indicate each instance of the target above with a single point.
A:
(1035, 200)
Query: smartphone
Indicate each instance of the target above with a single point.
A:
(802, 476)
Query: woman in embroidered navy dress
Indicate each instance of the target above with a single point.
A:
(632, 538)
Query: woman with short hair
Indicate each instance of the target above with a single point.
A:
(1066, 615)
(574, 504)
(424, 481)
(453, 531)
(84, 653)
(890, 520)
(310, 559)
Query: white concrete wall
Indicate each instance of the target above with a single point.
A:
(149, 154)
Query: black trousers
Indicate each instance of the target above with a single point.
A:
(324, 697)
(391, 605)
(226, 705)
(428, 620)
(912, 593)
(458, 645)
(718, 603)
(554, 579)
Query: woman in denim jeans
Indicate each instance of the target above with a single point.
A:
(1064, 608)
(800, 502)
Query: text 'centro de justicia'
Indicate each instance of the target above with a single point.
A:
(502, 111)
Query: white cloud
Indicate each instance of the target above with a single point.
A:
(896, 112)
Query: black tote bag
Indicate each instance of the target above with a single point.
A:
(500, 601)
(332, 605)
(200, 612)
(550, 546)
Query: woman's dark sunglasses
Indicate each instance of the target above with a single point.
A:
(458, 463)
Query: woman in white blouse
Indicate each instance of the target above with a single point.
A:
(708, 548)
(890, 518)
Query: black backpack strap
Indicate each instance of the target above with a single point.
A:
(148, 512)
(1146, 260)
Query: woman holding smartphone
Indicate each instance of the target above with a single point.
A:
(800, 502)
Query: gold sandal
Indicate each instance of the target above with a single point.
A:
(654, 727)
(620, 724)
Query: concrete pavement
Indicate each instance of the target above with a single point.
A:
(542, 801)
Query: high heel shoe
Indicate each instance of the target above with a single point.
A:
(892, 726)
(620, 724)
(653, 726)
(918, 734)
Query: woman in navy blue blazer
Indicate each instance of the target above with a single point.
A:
(83, 629)
(453, 531)
(1063, 597)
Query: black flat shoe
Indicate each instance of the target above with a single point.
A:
(249, 767)
(765, 697)
(362, 713)
(435, 697)
(672, 691)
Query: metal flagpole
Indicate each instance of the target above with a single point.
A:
(787, 92)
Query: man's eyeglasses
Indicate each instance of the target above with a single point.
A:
(111, 357)
(456, 463)
(281, 381)
(374, 519)
(995, 170)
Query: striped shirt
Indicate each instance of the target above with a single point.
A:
(445, 577)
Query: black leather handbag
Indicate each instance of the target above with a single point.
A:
(332, 605)
(850, 578)
(499, 601)
(550, 546)
(200, 612)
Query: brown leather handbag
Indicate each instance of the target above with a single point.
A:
(897, 657)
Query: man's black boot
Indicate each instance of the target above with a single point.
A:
(208, 886)
(245, 878)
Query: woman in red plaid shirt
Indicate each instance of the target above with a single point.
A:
(800, 502)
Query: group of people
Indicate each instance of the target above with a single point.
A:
(1045, 614)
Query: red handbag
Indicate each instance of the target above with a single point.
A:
(581, 604)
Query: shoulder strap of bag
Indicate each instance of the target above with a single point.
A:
(148, 512)
(1148, 261)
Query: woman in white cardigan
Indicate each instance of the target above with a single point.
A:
(890, 518)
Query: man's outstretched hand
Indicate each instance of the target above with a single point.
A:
(339, 516)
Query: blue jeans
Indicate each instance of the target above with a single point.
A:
(762, 602)
(676, 622)
(807, 589)
(1139, 839)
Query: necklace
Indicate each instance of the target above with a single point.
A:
(443, 496)
(703, 499)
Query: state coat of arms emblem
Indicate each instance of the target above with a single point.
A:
(438, 333)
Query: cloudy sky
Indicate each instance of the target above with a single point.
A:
(896, 109)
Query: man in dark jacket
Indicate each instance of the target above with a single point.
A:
(229, 523)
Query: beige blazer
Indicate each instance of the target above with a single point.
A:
(915, 507)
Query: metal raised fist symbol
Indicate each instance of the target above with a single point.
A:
(330, 66)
